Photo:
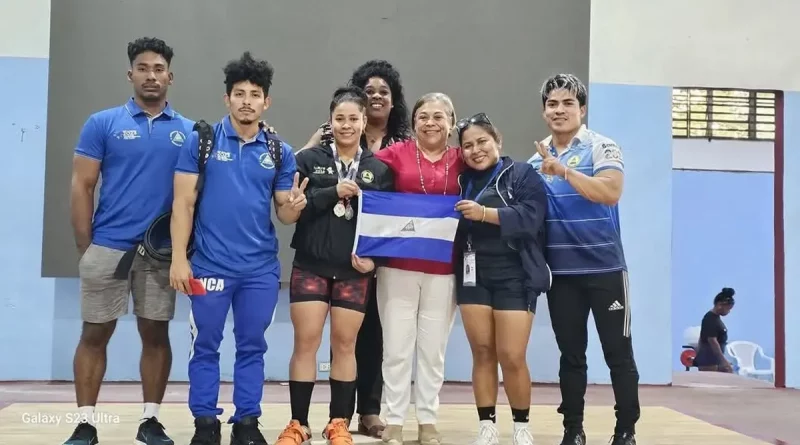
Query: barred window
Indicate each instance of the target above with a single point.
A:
(718, 113)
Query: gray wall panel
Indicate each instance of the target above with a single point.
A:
(489, 56)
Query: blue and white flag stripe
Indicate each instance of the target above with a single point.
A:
(403, 225)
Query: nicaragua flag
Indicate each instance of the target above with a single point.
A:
(405, 225)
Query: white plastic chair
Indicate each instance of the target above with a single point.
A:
(745, 354)
(691, 336)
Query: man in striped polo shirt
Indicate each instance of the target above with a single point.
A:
(584, 173)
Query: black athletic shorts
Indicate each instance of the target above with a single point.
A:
(348, 294)
(499, 288)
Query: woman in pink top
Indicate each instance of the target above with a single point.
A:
(416, 298)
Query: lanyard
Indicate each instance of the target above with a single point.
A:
(352, 170)
(496, 172)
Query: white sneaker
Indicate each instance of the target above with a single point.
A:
(523, 436)
(487, 434)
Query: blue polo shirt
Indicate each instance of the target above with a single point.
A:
(234, 236)
(137, 155)
(583, 237)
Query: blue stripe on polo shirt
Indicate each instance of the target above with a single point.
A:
(583, 236)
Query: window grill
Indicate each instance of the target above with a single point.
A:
(717, 113)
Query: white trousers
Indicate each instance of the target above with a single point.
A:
(417, 312)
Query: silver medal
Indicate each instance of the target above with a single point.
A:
(348, 212)
(339, 209)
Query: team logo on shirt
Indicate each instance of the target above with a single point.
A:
(266, 161)
(367, 176)
(574, 161)
(127, 135)
(177, 138)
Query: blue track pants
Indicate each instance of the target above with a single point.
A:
(253, 301)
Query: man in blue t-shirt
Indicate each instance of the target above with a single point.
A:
(134, 148)
(583, 172)
(235, 248)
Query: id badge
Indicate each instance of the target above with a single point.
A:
(469, 268)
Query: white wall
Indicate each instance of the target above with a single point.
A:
(723, 155)
(720, 43)
(25, 28)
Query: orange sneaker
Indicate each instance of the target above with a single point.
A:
(337, 433)
(294, 434)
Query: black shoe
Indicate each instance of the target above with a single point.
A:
(623, 439)
(206, 431)
(151, 432)
(574, 436)
(246, 432)
(84, 434)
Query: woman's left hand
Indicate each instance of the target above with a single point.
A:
(471, 210)
(363, 265)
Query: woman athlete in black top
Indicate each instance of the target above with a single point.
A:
(387, 123)
(325, 275)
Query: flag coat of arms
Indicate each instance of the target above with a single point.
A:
(405, 225)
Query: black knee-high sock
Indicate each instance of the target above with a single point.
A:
(300, 396)
(341, 392)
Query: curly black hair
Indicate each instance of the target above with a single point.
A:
(349, 94)
(398, 125)
(144, 44)
(257, 72)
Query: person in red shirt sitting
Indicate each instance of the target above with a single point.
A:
(416, 298)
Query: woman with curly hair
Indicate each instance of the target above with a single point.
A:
(387, 123)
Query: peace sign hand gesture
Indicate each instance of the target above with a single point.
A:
(550, 164)
(297, 196)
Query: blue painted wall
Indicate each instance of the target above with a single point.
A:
(791, 219)
(639, 119)
(722, 236)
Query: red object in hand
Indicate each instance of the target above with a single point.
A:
(196, 287)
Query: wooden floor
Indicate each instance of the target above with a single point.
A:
(52, 423)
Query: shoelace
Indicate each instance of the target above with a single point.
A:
(523, 437)
(294, 432)
(487, 434)
(337, 430)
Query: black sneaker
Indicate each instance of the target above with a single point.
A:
(151, 432)
(246, 432)
(623, 439)
(206, 431)
(84, 434)
(574, 436)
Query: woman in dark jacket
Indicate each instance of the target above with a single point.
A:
(502, 271)
(325, 275)
(387, 123)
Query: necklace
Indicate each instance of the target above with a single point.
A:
(446, 170)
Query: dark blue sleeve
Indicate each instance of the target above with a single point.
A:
(187, 160)
(92, 141)
(288, 169)
(525, 217)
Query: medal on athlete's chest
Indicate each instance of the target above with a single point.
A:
(343, 207)
(339, 209)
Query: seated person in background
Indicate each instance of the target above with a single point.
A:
(714, 335)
